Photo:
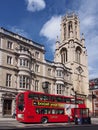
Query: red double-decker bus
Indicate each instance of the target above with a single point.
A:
(35, 107)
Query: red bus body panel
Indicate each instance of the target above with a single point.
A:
(29, 115)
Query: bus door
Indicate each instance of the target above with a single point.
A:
(20, 106)
(82, 116)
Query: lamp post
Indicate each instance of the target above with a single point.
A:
(75, 98)
(75, 95)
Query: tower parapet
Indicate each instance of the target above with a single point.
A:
(70, 27)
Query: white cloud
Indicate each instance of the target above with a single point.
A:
(35, 5)
(50, 30)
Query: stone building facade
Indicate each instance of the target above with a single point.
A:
(71, 51)
(93, 87)
(23, 65)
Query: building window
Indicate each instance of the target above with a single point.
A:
(24, 49)
(20, 62)
(8, 80)
(60, 89)
(76, 29)
(36, 68)
(69, 28)
(24, 82)
(65, 31)
(9, 45)
(59, 73)
(24, 62)
(63, 55)
(9, 60)
(78, 54)
(49, 71)
(36, 85)
(37, 54)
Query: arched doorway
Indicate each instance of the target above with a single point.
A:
(8, 103)
(7, 106)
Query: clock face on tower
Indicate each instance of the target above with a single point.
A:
(79, 69)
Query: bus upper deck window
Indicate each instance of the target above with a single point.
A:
(72, 100)
(44, 97)
(67, 100)
(59, 99)
(33, 96)
(52, 98)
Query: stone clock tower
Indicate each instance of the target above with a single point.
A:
(71, 51)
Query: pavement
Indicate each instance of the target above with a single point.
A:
(93, 119)
(10, 123)
(6, 123)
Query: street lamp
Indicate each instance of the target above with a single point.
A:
(75, 96)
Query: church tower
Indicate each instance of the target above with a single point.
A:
(71, 52)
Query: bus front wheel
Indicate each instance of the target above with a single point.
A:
(44, 120)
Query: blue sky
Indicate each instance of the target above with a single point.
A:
(39, 20)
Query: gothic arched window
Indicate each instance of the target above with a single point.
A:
(76, 29)
(69, 28)
(78, 54)
(64, 31)
(64, 55)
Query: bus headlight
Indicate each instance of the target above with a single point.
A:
(20, 115)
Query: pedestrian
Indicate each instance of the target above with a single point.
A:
(68, 118)
(14, 114)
